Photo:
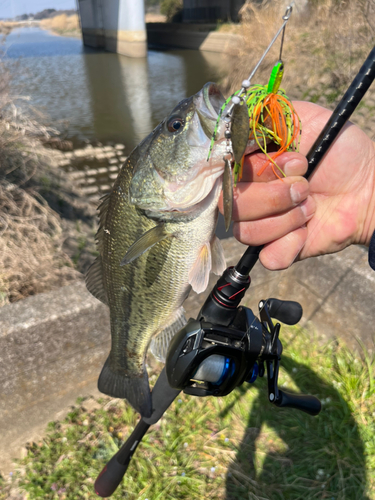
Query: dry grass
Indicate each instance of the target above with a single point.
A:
(323, 49)
(6, 27)
(62, 25)
(31, 231)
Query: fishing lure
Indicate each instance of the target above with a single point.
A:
(272, 119)
(261, 114)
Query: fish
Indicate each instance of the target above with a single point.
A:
(156, 241)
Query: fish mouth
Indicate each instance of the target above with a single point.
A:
(213, 98)
(210, 103)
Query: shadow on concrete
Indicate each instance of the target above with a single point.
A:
(301, 465)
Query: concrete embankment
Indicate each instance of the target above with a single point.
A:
(192, 36)
(53, 345)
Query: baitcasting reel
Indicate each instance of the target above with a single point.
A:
(211, 360)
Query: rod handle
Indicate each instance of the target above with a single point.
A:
(110, 477)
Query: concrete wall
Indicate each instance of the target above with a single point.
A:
(119, 26)
(115, 25)
(53, 345)
(211, 10)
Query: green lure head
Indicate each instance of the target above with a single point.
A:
(275, 78)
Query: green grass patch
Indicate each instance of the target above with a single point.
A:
(237, 447)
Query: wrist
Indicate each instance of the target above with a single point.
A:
(367, 228)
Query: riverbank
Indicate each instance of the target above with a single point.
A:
(63, 25)
(6, 27)
(64, 188)
(39, 206)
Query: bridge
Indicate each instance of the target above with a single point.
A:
(119, 25)
(114, 25)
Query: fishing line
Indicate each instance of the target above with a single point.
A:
(286, 18)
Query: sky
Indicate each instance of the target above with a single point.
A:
(12, 8)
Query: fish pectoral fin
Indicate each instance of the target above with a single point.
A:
(217, 255)
(94, 281)
(200, 272)
(145, 242)
(160, 343)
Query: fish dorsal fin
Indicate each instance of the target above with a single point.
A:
(200, 272)
(102, 209)
(217, 256)
(160, 343)
(94, 281)
(145, 242)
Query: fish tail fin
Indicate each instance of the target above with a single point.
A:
(135, 390)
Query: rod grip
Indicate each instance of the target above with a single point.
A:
(110, 477)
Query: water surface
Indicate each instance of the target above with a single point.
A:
(96, 95)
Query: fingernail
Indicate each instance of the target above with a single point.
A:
(308, 207)
(293, 167)
(299, 191)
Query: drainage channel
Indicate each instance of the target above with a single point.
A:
(93, 169)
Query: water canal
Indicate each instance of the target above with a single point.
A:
(100, 96)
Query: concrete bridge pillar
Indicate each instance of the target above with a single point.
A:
(115, 25)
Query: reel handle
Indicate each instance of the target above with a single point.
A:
(302, 402)
(286, 311)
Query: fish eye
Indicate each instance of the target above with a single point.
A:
(175, 124)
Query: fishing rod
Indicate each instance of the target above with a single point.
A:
(227, 344)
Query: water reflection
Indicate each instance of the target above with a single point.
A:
(136, 85)
(100, 95)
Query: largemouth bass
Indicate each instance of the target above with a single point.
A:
(156, 241)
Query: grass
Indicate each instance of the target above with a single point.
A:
(318, 58)
(62, 25)
(238, 447)
(6, 27)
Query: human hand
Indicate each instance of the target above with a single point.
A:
(296, 219)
